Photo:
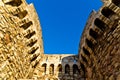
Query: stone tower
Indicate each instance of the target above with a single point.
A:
(99, 52)
(21, 45)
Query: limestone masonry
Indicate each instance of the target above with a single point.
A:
(22, 54)
(99, 52)
(21, 47)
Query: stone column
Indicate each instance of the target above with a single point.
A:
(71, 70)
(63, 69)
(47, 69)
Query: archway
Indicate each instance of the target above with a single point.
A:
(67, 69)
(60, 68)
(51, 69)
(44, 67)
(83, 70)
(75, 69)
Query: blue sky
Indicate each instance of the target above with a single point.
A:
(62, 23)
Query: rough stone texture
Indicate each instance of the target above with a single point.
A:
(21, 48)
(20, 40)
(59, 70)
(99, 51)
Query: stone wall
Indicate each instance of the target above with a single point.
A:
(59, 67)
(100, 44)
(20, 40)
(21, 48)
(22, 54)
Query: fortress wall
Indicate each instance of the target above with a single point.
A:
(99, 57)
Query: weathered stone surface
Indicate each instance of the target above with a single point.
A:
(21, 47)
(99, 48)
(59, 67)
(16, 20)
(22, 54)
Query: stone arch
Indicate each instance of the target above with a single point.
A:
(89, 43)
(60, 68)
(75, 69)
(100, 24)
(107, 12)
(93, 34)
(67, 69)
(51, 69)
(44, 67)
(13, 2)
(83, 70)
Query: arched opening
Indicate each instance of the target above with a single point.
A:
(86, 51)
(13, 2)
(107, 12)
(44, 68)
(89, 43)
(59, 68)
(67, 69)
(51, 69)
(116, 2)
(83, 70)
(93, 34)
(75, 69)
(100, 24)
